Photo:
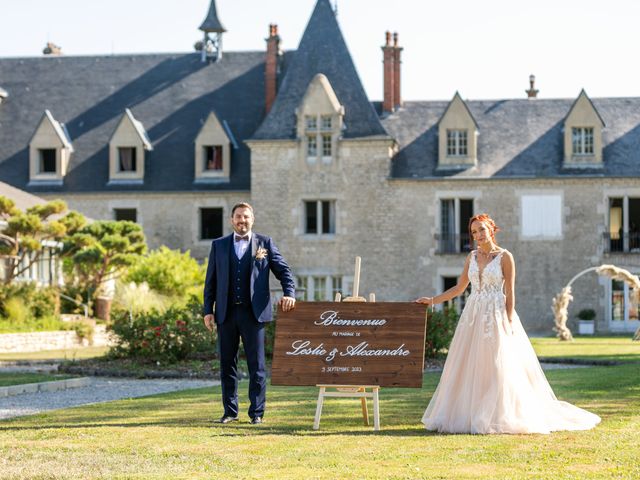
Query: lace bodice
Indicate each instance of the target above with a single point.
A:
(490, 280)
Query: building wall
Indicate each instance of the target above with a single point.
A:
(170, 219)
(392, 225)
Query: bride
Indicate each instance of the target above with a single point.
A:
(492, 381)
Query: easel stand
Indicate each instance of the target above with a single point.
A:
(352, 391)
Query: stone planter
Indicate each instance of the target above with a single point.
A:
(586, 327)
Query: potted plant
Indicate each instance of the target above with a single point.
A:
(586, 321)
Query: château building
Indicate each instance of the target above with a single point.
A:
(173, 141)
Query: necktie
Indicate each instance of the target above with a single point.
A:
(240, 238)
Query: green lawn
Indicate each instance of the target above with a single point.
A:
(620, 349)
(171, 436)
(69, 354)
(20, 378)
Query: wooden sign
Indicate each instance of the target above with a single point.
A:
(343, 343)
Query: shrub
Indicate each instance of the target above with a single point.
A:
(441, 326)
(84, 330)
(138, 299)
(39, 302)
(169, 336)
(169, 272)
(16, 311)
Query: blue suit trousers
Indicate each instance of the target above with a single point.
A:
(240, 323)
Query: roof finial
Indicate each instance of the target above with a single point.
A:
(532, 92)
(52, 49)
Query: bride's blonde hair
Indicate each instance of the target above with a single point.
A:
(488, 221)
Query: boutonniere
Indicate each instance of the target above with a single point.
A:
(261, 253)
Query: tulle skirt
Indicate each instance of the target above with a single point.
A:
(492, 381)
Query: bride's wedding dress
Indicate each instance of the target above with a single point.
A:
(492, 381)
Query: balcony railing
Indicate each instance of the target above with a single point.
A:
(452, 243)
(625, 242)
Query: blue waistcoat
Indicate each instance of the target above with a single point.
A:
(240, 277)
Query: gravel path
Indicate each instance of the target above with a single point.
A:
(100, 389)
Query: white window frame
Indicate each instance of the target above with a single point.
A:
(317, 129)
(582, 141)
(459, 229)
(196, 219)
(310, 279)
(457, 142)
(333, 212)
(625, 325)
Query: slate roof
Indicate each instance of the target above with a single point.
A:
(517, 138)
(22, 199)
(321, 50)
(170, 94)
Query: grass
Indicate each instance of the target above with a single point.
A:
(618, 349)
(19, 378)
(171, 436)
(68, 354)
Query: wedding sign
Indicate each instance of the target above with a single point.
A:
(344, 343)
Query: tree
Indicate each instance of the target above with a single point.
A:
(169, 272)
(102, 250)
(24, 233)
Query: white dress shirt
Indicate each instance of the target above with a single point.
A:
(241, 246)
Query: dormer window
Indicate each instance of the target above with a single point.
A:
(212, 158)
(213, 150)
(126, 159)
(50, 149)
(582, 140)
(316, 137)
(319, 122)
(457, 137)
(456, 143)
(47, 161)
(126, 150)
(311, 122)
(583, 127)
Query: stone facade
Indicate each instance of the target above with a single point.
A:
(393, 225)
(171, 219)
(333, 175)
(58, 340)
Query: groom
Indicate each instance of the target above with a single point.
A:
(237, 285)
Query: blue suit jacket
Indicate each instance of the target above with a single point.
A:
(216, 285)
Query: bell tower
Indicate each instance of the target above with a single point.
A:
(213, 30)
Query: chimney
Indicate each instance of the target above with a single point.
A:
(532, 92)
(396, 72)
(388, 57)
(271, 67)
(52, 49)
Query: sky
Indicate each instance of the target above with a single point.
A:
(485, 49)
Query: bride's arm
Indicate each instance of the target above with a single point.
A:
(453, 292)
(509, 272)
